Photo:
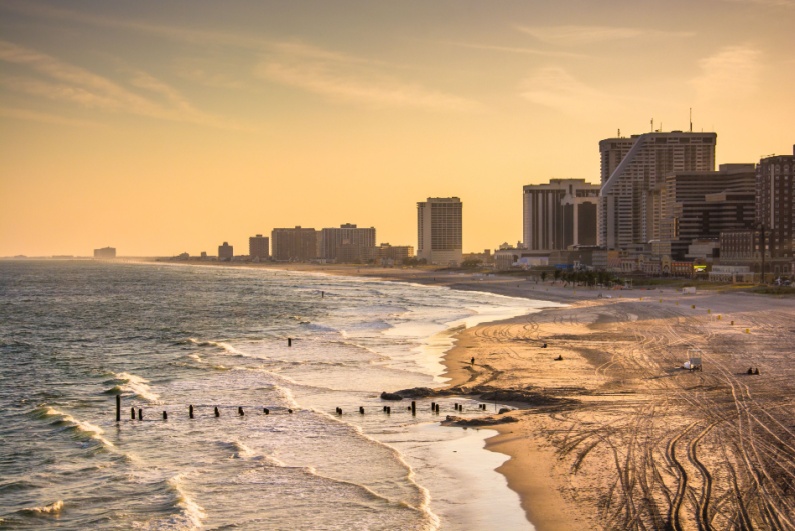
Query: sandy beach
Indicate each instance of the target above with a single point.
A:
(632, 440)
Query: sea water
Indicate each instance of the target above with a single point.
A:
(74, 334)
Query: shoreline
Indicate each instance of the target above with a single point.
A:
(628, 439)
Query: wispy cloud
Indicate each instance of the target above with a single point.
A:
(516, 50)
(51, 78)
(573, 35)
(174, 33)
(37, 116)
(789, 4)
(556, 88)
(733, 73)
(313, 69)
(352, 79)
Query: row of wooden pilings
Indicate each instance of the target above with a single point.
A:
(435, 408)
(139, 413)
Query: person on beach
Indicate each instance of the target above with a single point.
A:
(472, 361)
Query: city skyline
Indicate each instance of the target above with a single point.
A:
(161, 128)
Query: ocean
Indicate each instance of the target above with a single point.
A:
(74, 334)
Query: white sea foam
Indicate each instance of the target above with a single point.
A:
(47, 509)
(192, 512)
(79, 426)
(137, 385)
(220, 344)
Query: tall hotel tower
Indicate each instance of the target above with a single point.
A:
(633, 174)
(439, 230)
(775, 205)
(559, 214)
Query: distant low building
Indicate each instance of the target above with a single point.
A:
(518, 258)
(105, 253)
(297, 244)
(225, 252)
(725, 273)
(390, 255)
(485, 258)
(580, 257)
(347, 243)
(258, 248)
(705, 251)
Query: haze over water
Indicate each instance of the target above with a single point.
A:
(74, 334)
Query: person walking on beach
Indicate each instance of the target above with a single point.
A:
(472, 361)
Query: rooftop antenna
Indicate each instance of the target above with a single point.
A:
(618, 135)
(691, 119)
(651, 122)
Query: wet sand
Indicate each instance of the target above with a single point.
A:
(635, 441)
(640, 442)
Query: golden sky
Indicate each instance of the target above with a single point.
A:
(164, 127)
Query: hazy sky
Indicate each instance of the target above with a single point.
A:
(163, 127)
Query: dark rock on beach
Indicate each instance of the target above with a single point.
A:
(485, 421)
(390, 396)
(523, 396)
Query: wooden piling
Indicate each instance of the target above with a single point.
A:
(433, 406)
(289, 342)
(290, 411)
(437, 408)
(361, 410)
(266, 411)
(413, 408)
(190, 412)
(140, 414)
(240, 411)
(217, 413)
(118, 408)
(132, 413)
(165, 415)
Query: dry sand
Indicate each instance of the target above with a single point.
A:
(640, 443)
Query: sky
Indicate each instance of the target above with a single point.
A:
(167, 127)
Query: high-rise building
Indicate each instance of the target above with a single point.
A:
(633, 172)
(699, 205)
(358, 243)
(775, 193)
(294, 245)
(559, 214)
(259, 248)
(439, 230)
(225, 252)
